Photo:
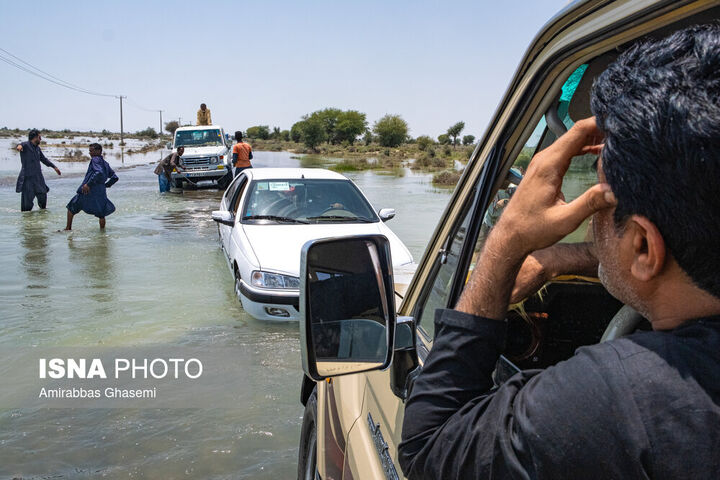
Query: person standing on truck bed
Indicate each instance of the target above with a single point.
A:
(242, 154)
(203, 115)
(165, 168)
(30, 182)
(645, 405)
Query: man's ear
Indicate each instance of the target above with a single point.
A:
(648, 248)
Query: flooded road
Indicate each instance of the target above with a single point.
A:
(156, 276)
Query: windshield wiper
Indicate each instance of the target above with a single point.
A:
(342, 217)
(274, 217)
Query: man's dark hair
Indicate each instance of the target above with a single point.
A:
(33, 133)
(238, 136)
(658, 105)
(95, 146)
(203, 105)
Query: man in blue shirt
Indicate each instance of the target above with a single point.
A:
(91, 196)
(30, 182)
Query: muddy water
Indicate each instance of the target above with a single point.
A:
(155, 276)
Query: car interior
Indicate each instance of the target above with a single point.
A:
(570, 311)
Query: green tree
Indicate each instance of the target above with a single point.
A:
(313, 132)
(444, 139)
(259, 131)
(391, 130)
(423, 142)
(171, 126)
(455, 130)
(285, 135)
(296, 131)
(329, 119)
(149, 132)
(275, 135)
(349, 125)
(468, 139)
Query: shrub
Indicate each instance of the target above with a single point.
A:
(391, 130)
(423, 142)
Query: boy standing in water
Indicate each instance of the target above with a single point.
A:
(91, 196)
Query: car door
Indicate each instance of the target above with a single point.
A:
(537, 108)
(230, 203)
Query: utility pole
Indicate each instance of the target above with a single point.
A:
(161, 129)
(122, 142)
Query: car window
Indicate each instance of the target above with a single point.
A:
(230, 192)
(580, 177)
(238, 194)
(198, 138)
(307, 201)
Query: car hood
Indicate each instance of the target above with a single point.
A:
(278, 247)
(204, 151)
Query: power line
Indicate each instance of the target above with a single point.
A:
(33, 70)
(47, 76)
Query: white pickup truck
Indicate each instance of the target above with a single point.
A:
(207, 155)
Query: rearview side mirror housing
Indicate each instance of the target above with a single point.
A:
(347, 306)
(386, 214)
(224, 217)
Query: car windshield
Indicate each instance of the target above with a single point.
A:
(306, 201)
(198, 138)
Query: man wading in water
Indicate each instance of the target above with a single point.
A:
(91, 196)
(30, 182)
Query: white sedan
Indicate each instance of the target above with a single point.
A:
(266, 216)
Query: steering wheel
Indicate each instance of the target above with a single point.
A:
(625, 322)
(332, 210)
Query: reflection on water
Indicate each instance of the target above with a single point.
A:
(34, 241)
(92, 257)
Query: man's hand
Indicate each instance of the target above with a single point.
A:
(538, 216)
(57, 170)
(543, 265)
(19, 148)
(85, 189)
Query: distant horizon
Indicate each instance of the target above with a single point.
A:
(433, 63)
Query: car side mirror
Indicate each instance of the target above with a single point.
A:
(386, 214)
(168, 146)
(224, 217)
(347, 306)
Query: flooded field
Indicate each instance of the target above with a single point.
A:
(156, 276)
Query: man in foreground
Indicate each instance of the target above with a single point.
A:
(91, 196)
(203, 115)
(31, 182)
(165, 168)
(242, 154)
(642, 406)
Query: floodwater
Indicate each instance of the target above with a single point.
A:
(156, 276)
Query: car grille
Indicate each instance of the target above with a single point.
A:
(196, 163)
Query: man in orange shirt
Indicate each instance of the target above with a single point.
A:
(242, 154)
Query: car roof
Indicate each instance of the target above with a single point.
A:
(199, 127)
(292, 173)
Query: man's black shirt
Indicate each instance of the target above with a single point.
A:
(643, 406)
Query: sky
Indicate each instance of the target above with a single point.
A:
(264, 62)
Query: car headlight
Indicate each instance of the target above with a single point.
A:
(213, 160)
(274, 280)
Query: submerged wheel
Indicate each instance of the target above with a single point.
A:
(237, 286)
(178, 183)
(307, 457)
